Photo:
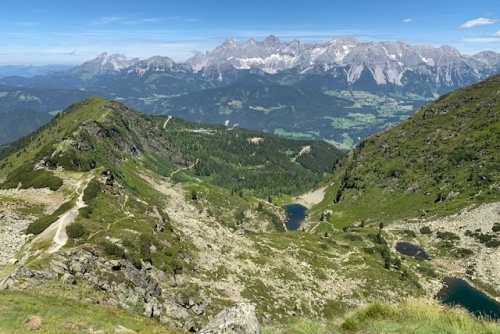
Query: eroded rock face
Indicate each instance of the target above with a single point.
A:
(125, 285)
(238, 319)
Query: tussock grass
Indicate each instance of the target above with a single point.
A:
(413, 316)
(416, 316)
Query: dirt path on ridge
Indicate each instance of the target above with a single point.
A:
(166, 122)
(184, 168)
(58, 228)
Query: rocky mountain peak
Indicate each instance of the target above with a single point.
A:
(272, 40)
(115, 61)
(104, 64)
(230, 41)
(450, 50)
(154, 64)
(490, 58)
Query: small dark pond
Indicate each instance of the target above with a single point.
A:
(295, 214)
(458, 292)
(409, 249)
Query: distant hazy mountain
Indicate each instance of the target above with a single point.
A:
(31, 70)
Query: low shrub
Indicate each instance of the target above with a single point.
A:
(40, 225)
(463, 252)
(353, 237)
(428, 271)
(494, 243)
(75, 230)
(448, 236)
(113, 250)
(92, 190)
(377, 238)
(426, 230)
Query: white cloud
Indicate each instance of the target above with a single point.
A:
(477, 22)
(497, 34)
(407, 20)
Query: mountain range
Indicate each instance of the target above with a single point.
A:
(385, 82)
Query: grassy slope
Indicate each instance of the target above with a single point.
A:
(409, 317)
(283, 273)
(62, 315)
(59, 315)
(440, 160)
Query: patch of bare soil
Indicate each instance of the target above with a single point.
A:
(311, 198)
(33, 323)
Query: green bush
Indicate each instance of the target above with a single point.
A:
(377, 238)
(494, 243)
(448, 236)
(71, 160)
(113, 250)
(463, 252)
(427, 271)
(353, 237)
(75, 230)
(40, 225)
(484, 238)
(426, 230)
(92, 190)
(349, 325)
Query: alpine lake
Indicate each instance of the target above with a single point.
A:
(456, 291)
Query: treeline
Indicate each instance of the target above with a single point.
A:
(243, 159)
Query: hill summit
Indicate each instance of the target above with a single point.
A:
(442, 159)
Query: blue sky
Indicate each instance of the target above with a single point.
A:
(53, 31)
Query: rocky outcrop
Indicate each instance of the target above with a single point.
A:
(12, 236)
(23, 278)
(124, 285)
(238, 319)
